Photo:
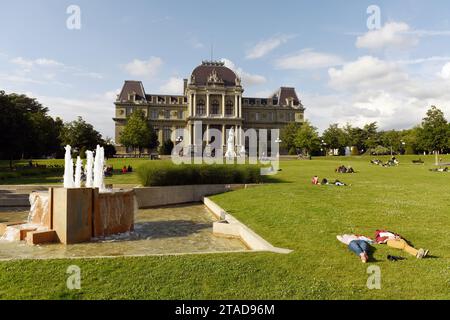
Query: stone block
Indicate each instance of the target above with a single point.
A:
(4, 225)
(24, 231)
(113, 212)
(72, 214)
(41, 237)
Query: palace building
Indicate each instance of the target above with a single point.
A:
(212, 95)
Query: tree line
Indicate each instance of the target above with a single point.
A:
(28, 132)
(430, 136)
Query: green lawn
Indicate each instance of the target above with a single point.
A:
(292, 214)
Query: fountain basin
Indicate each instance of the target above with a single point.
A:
(74, 215)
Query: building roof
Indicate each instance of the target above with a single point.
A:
(283, 94)
(201, 74)
(131, 86)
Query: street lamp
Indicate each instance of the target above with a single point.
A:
(324, 147)
(278, 140)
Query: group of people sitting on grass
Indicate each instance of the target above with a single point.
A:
(325, 181)
(390, 163)
(361, 245)
(440, 169)
(126, 169)
(344, 169)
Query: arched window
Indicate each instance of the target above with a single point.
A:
(215, 107)
(229, 108)
(200, 107)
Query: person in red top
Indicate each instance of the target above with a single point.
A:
(394, 240)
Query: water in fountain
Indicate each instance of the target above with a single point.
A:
(88, 168)
(78, 173)
(38, 218)
(68, 168)
(98, 168)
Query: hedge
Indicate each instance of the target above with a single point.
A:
(169, 174)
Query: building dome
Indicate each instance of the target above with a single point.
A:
(212, 72)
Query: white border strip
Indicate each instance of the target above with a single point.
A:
(235, 228)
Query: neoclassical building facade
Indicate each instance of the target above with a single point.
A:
(213, 96)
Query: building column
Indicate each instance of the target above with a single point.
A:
(223, 135)
(236, 113)
(238, 135)
(240, 106)
(189, 105)
(194, 107)
(223, 105)
(207, 104)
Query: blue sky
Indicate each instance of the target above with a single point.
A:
(343, 72)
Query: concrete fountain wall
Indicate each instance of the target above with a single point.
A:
(74, 215)
(84, 213)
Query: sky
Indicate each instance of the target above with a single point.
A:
(352, 61)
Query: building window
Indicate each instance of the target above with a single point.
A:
(200, 108)
(257, 116)
(229, 108)
(167, 133)
(167, 114)
(154, 114)
(180, 114)
(271, 116)
(215, 107)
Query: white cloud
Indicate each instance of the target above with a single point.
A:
(96, 109)
(143, 68)
(173, 86)
(366, 72)
(445, 72)
(374, 90)
(37, 62)
(308, 59)
(248, 79)
(395, 35)
(263, 47)
(40, 67)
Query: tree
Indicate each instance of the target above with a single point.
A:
(138, 133)
(110, 149)
(166, 147)
(392, 140)
(26, 129)
(288, 134)
(307, 138)
(371, 136)
(80, 134)
(334, 137)
(433, 135)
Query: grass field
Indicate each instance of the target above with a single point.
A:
(292, 214)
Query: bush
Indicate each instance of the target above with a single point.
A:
(166, 147)
(167, 174)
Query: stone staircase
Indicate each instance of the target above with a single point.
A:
(17, 196)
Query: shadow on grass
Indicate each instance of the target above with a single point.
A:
(67, 295)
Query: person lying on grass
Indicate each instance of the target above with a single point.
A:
(439, 169)
(359, 245)
(344, 169)
(336, 183)
(396, 241)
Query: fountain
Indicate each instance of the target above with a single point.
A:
(78, 173)
(230, 153)
(68, 168)
(88, 169)
(75, 214)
